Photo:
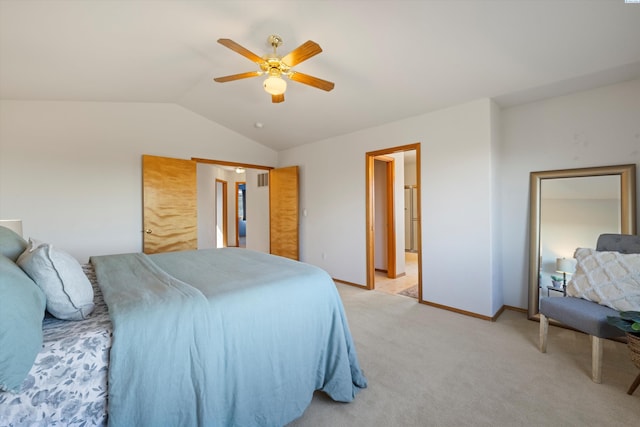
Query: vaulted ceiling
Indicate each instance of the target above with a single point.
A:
(389, 59)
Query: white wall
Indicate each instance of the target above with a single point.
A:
(206, 176)
(497, 301)
(72, 170)
(592, 128)
(410, 173)
(456, 190)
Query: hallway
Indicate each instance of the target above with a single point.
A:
(394, 286)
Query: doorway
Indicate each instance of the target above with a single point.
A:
(386, 221)
(241, 214)
(384, 241)
(264, 191)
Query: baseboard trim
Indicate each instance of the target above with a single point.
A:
(498, 313)
(446, 307)
(457, 310)
(512, 308)
(349, 283)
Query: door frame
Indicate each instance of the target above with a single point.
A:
(233, 164)
(370, 210)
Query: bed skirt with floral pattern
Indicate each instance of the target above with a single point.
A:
(67, 384)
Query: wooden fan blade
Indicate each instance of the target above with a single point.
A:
(237, 76)
(311, 81)
(277, 98)
(241, 50)
(302, 53)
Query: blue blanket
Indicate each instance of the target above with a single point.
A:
(222, 337)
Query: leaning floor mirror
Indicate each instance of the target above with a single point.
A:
(570, 208)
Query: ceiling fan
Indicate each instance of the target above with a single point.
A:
(277, 66)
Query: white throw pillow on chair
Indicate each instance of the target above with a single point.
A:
(608, 278)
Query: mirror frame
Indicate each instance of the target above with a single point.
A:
(627, 175)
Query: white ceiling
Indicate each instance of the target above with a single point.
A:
(388, 59)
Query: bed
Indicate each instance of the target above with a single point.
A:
(213, 337)
(67, 384)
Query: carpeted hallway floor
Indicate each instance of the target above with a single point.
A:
(431, 367)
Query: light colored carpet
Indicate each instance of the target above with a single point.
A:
(431, 367)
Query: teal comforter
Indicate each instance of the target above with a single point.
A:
(222, 337)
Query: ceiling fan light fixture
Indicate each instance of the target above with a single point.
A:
(274, 67)
(275, 85)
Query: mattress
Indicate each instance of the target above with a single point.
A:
(67, 385)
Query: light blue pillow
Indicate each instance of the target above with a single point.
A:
(68, 290)
(11, 243)
(22, 306)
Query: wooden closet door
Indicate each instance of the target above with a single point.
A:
(283, 212)
(170, 215)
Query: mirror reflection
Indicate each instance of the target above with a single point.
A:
(569, 209)
(573, 213)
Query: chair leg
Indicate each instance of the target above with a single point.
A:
(596, 359)
(544, 329)
(634, 386)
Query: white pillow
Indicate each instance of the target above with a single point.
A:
(68, 290)
(608, 278)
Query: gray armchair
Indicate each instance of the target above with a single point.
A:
(586, 316)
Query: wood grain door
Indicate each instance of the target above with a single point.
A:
(283, 212)
(170, 216)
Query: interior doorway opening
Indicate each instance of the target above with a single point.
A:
(391, 221)
(241, 214)
(384, 241)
